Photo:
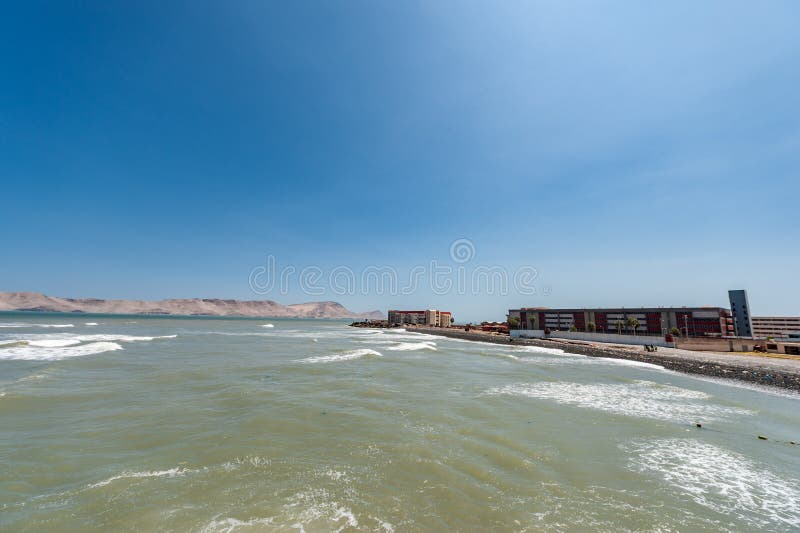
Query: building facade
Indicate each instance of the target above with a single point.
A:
(740, 309)
(430, 317)
(777, 327)
(691, 321)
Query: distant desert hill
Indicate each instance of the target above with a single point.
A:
(32, 301)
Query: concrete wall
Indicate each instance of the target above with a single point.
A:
(701, 344)
(638, 340)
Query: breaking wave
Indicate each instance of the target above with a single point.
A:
(643, 399)
(538, 349)
(27, 352)
(121, 338)
(52, 343)
(228, 525)
(345, 356)
(172, 472)
(25, 325)
(413, 346)
(724, 481)
(58, 346)
(60, 339)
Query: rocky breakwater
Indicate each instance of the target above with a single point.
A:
(768, 371)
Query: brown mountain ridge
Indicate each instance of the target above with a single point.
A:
(32, 301)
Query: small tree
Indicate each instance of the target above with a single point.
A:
(573, 329)
(675, 332)
(513, 323)
(591, 326)
(619, 326)
(633, 323)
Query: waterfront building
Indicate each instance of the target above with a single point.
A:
(691, 321)
(778, 327)
(740, 309)
(430, 317)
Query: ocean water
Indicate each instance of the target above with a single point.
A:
(209, 425)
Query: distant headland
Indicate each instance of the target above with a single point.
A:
(32, 301)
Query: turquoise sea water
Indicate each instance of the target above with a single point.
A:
(169, 424)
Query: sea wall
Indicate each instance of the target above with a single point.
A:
(751, 372)
(636, 340)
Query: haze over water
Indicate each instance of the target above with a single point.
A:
(140, 423)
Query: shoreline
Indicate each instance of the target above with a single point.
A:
(780, 373)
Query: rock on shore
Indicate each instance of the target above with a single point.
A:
(781, 373)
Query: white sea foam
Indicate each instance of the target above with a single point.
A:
(267, 326)
(413, 346)
(629, 362)
(91, 323)
(539, 349)
(54, 353)
(69, 339)
(25, 325)
(120, 338)
(567, 358)
(53, 343)
(722, 480)
(248, 461)
(410, 336)
(344, 356)
(227, 525)
(52, 347)
(316, 505)
(534, 355)
(172, 472)
(644, 399)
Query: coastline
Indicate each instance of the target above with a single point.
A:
(92, 314)
(781, 373)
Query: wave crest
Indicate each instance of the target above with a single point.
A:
(345, 356)
(413, 346)
(643, 399)
(172, 472)
(54, 353)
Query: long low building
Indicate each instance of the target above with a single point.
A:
(778, 327)
(429, 317)
(691, 321)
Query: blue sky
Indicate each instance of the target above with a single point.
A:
(633, 153)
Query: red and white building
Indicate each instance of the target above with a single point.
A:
(430, 317)
(691, 321)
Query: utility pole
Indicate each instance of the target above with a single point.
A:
(686, 324)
